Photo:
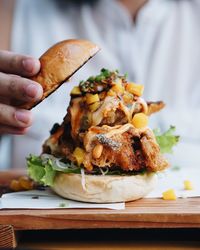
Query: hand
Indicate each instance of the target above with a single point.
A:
(15, 90)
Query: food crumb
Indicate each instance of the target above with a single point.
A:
(169, 195)
(35, 197)
(175, 168)
(62, 204)
(188, 185)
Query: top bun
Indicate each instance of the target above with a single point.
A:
(59, 63)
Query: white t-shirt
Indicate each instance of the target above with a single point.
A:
(161, 50)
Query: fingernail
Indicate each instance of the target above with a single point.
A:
(22, 116)
(28, 64)
(32, 90)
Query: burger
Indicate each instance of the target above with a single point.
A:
(103, 151)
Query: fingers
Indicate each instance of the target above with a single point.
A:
(12, 130)
(18, 64)
(17, 88)
(13, 117)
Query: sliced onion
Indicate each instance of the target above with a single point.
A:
(104, 172)
(144, 105)
(46, 157)
(55, 161)
(60, 164)
(83, 179)
(125, 110)
(110, 103)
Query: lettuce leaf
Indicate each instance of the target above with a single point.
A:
(43, 169)
(49, 176)
(35, 168)
(40, 172)
(166, 140)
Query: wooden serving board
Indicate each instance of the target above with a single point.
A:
(144, 213)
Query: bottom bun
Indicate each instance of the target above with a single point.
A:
(104, 189)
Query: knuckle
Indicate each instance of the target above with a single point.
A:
(3, 113)
(7, 115)
(15, 62)
(2, 110)
(16, 86)
(13, 84)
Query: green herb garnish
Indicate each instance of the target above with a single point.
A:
(166, 140)
(62, 204)
(101, 82)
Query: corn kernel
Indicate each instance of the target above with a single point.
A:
(25, 183)
(87, 164)
(94, 106)
(140, 120)
(135, 89)
(79, 154)
(128, 98)
(97, 151)
(169, 195)
(76, 91)
(90, 98)
(15, 185)
(111, 93)
(188, 185)
(118, 88)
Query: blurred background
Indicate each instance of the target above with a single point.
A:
(156, 42)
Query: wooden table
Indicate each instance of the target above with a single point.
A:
(141, 214)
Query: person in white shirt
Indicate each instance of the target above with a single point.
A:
(157, 42)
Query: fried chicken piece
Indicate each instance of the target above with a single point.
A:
(155, 161)
(125, 147)
(154, 107)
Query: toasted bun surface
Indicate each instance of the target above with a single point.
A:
(60, 62)
(104, 189)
